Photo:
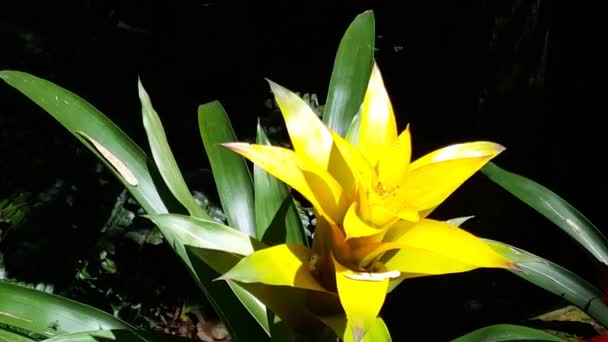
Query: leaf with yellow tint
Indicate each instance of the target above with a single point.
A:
(435, 247)
(307, 133)
(393, 165)
(285, 265)
(361, 299)
(354, 227)
(434, 177)
(378, 127)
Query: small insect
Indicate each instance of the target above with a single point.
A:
(54, 325)
(313, 262)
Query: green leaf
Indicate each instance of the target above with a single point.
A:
(230, 171)
(13, 337)
(191, 231)
(183, 232)
(276, 216)
(117, 335)
(86, 123)
(350, 75)
(352, 134)
(290, 304)
(161, 152)
(553, 207)
(556, 280)
(35, 314)
(507, 332)
(378, 332)
(458, 221)
(79, 117)
(282, 265)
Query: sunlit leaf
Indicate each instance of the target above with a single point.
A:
(316, 186)
(361, 310)
(434, 177)
(276, 216)
(355, 227)
(378, 126)
(309, 137)
(352, 134)
(285, 264)
(230, 171)
(435, 247)
(395, 159)
(556, 280)
(119, 336)
(203, 233)
(41, 315)
(164, 157)
(458, 221)
(553, 207)
(350, 75)
(287, 302)
(77, 115)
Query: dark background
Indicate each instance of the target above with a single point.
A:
(521, 73)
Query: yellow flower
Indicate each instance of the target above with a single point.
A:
(371, 204)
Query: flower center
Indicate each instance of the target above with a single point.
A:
(383, 191)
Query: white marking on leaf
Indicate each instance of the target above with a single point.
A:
(376, 276)
(124, 171)
(4, 313)
(573, 225)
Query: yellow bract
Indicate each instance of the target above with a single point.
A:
(361, 299)
(378, 128)
(371, 201)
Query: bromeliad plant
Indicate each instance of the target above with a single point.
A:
(371, 202)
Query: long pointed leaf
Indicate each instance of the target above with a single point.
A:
(288, 303)
(183, 231)
(350, 75)
(277, 219)
(117, 335)
(556, 280)
(6, 335)
(210, 245)
(553, 207)
(352, 134)
(208, 234)
(232, 177)
(86, 123)
(161, 152)
(78, 116)
(39, 314)
(507, 332)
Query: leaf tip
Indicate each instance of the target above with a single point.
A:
(277, 89)
(234, 146)
(224, 276)
(499, 148)
(141, 91)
